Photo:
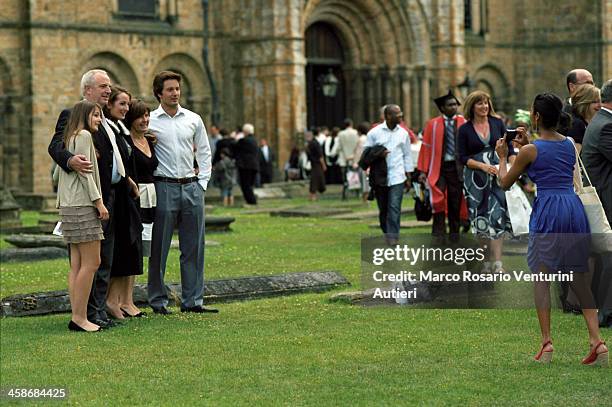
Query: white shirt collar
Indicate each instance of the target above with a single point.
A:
(160, 111)
(384, 123)
(607, 110)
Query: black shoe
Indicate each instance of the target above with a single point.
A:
(161, 310)
(127, 315)
(199, 310)
(105, 323)
(74, 327)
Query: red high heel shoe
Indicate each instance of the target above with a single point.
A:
(544, 356)
(595, 358)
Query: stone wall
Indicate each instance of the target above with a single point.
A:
(402, 51)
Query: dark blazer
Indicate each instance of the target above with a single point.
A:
(375, 159)
(246, 153)
(597, 156)
(60, 155)
(224, 143)
(468, 141)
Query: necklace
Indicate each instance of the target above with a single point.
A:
(141, 143)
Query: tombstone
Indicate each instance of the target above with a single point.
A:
(9, 209)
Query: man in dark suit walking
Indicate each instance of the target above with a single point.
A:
(246, 154)
(96, 88)
(597, 156)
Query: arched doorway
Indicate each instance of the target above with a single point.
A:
(324, 55)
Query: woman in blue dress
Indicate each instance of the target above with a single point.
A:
(559, 233)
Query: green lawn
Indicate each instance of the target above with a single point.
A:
(297, 350)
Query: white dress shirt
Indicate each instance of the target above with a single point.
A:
(177, 138)
(399, 159)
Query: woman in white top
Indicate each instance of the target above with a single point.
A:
(81, 209)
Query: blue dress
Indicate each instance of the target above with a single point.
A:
(559, 233)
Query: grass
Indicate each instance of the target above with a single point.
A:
(298, 350)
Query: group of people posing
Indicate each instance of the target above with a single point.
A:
(127, 177)
(471, 160)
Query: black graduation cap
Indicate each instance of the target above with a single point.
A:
(442, 99)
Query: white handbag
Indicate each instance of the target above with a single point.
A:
(600, 227)
(519, 210)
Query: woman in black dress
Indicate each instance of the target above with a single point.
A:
(127, 260)
(145, 162)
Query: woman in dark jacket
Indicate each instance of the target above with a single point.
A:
(487, 208)
(127, 252)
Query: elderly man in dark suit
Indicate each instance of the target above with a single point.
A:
(96, 88)
(597, 156)
(246, 153)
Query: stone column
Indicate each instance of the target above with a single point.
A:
(425, 98)
(405, 89)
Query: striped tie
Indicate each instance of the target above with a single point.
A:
(449, 137)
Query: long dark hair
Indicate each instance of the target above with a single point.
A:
(79, 119)
(550, 108)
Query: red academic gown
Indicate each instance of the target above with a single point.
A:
(430, 162)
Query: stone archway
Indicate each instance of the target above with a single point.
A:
(119, 70)
(195, 95)
(492, 80)
(386, 49)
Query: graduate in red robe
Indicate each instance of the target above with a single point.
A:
(441, 169)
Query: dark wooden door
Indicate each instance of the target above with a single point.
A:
(324, 54)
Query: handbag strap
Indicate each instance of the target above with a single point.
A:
(581, 169)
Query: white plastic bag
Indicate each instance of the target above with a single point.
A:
(519, 210)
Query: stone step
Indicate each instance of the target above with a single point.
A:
(234, 289)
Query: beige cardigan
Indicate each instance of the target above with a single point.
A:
(75, 189)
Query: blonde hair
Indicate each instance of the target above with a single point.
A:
(471, 100)
(582, 99)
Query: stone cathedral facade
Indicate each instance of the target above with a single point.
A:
(266, 61)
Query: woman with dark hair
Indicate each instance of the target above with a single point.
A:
(486, 201)
(127, 258)
(79, 200)
(142, 143)
(559, 233)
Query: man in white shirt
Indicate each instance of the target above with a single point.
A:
(347, 141)
(181, 138)
(395, 139)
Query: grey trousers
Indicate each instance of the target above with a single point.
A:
(181, 204)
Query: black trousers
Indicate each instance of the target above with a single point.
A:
(96, 306)
(247, 181)
(449, 182)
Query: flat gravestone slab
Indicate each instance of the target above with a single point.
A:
(215, 291)
(309, 212)
(366, 214)
(29, 229)
(407, 224)
(207, 243)
(31, 241)
(257, 211)
(32, 254)
(270, 193)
